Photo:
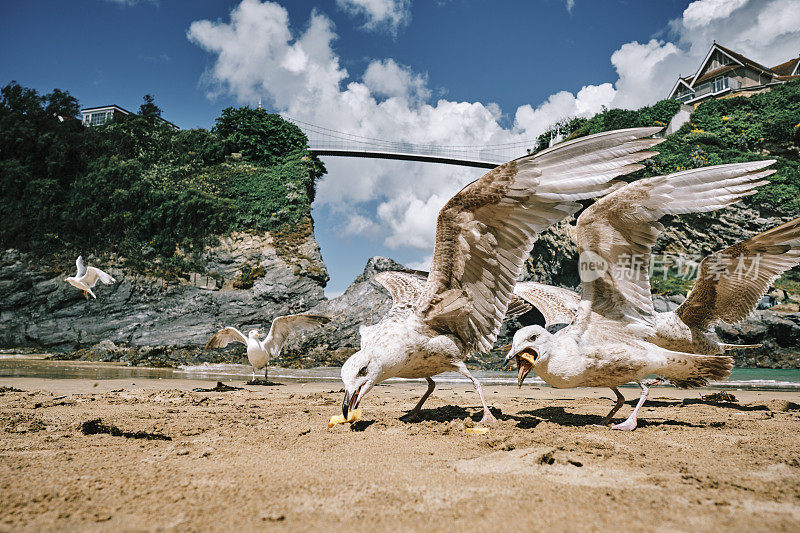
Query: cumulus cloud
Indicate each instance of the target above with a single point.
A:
(387, 78)
(256, 53)
(391, 15)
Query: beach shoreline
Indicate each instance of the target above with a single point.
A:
(263, 457)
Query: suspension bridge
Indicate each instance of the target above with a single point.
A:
(328, 142)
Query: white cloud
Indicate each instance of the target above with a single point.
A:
(379, 14)
(570, 6)
(257, 54)
(424, 264)
(387, 78)
(702, 13)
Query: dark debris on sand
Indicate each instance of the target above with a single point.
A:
(219, 387)
(96, 426)
(263, 382)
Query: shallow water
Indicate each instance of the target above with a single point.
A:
(12, 365)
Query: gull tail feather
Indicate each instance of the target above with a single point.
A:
(687, 370)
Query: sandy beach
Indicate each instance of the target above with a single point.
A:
(263, 457)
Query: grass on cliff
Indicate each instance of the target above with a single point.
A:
(136, 187)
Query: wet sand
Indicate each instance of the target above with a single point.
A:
(264, 458)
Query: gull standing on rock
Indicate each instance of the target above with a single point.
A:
(483, 235)
(729, 285)
(606, 345)
(87, 277)
(260, 352)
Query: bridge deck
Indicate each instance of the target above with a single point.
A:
(404, 156)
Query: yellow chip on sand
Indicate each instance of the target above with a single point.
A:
(477, 431)
(352, 416)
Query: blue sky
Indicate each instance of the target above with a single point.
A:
(445, 72)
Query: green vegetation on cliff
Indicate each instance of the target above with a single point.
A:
(137, 187)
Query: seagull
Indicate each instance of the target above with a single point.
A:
(729, 285)
(606, 345)
(87, 277)
(483, 235)
(259, 352)
(406, 288)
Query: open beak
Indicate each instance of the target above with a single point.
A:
(526, 358)
(350, 402)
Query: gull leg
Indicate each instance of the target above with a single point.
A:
(266, 372)
(630, 423)
(86, 295)
(488, 417)
(620, 402)
(414, 413)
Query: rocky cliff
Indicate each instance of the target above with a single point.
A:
(248, 279)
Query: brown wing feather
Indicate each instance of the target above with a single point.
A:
(731, 282)
(485, 232)
(557, 305)
(620, 229)
(224, 337)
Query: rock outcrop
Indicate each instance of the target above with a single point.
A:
(363, 303)
(249, 279)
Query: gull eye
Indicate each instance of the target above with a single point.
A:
(362, 372)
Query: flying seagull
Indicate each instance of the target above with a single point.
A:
(87, 277)
(606, 345)
(483, 235)
(260, 352)
(407, 288)
(729, 285)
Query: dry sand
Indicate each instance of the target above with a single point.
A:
(263, 458)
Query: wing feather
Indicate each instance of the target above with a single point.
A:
(80, 266)
(557, 305)
(224, 337)
(731, 282)
(620, 229)
(283, 326)
(485, 232)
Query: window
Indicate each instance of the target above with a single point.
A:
(98, 118)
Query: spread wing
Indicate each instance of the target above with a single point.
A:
(731, 282)
(224, 337)
(557, 305)
(94, 274)
(616, 233)
(283, 326)
(406, 288)
(80, 266)
(485, 232)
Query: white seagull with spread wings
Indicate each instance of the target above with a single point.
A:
(483, 235)
(729, 285)
(259, 352)
(87, 278)
(606, 345)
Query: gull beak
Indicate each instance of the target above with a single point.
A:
(350, 402)
(526, 358)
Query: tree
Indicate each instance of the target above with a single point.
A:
(259, 136)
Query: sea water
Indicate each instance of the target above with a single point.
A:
(14, 365)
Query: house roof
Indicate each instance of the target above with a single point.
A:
(741, 58)
(716, 72)
(112, 106)
(788, 68)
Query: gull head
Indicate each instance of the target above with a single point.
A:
(359, 373)
(252, 334)
(526, 349)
